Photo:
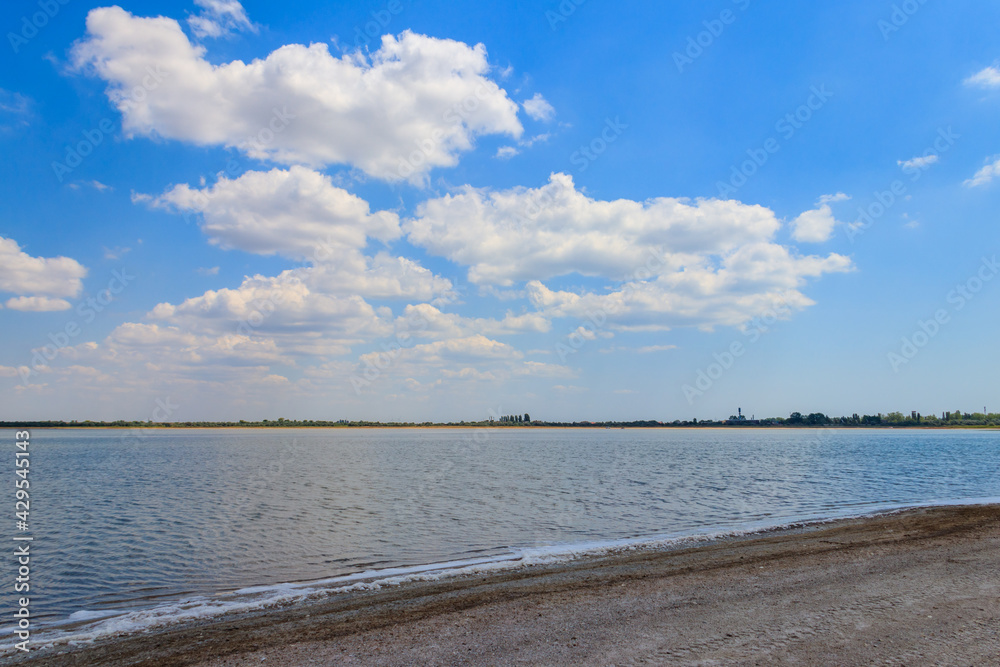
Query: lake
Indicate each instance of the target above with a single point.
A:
(142, 528)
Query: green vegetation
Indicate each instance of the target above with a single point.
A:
(955, 419)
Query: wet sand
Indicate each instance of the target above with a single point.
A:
(921, 587)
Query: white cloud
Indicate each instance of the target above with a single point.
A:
(451, 352)
(379, 277)
(985, 175)
(672, 262)
(539, 369)
(829, 199)
(297, 213)
(988, 77)
(469, 373)
(14, 103)
(285, 309)
(648, 349)
(816, 226)
(918, 162)
(22, 274)
(15, 110)
(463, 358)
(37, 304)
(506, 152)
(219, 17)
(427, 321)
(414, 104)
(525, 234)
(206, 271)
(116, 253)
(539, 108)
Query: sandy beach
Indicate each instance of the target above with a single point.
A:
(920, 587)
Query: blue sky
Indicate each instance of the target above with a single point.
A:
(400, 210)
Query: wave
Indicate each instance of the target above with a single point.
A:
(86, 626)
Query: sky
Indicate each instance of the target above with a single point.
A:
(407, 210)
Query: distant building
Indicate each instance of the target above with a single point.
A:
(741, 419)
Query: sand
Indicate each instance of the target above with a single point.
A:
(921, 587)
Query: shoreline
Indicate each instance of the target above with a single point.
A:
(405, 623)
(479, 427)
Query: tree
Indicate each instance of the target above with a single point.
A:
(527, 417)
(794, 418)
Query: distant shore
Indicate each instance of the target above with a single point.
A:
(914, 587)
(476, 426)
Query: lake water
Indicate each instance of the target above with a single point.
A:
(143, 528)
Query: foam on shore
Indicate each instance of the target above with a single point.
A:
(87, 626)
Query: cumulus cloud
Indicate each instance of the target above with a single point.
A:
(524, 234)
(298, 213)
(988, 77)
(414, 104)
(671, 261)
(219, 17)
(816, 226)
(459, 350)
(464, 358)
(37, 304)
(921, 163)
(284, 309)
(506, 152)
(22, 274)
(295, 213)
(539, 108)
(427, 321)
(985, 175)
(648, 349)
(379, 277)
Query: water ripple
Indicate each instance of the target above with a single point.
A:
(196, 513)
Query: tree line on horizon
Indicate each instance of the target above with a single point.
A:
(795, 419)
